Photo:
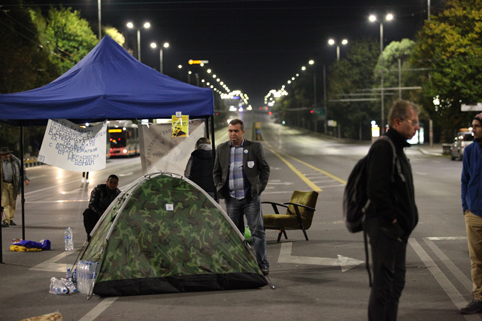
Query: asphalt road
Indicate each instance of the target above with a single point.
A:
(320, 279)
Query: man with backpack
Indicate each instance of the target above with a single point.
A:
(391, 214)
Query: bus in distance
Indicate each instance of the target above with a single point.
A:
(123, 138)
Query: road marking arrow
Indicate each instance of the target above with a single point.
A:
(51, 266)
(344, 262)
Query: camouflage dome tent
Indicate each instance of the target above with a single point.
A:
(164, 234)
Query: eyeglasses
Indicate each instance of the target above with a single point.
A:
(411, 122)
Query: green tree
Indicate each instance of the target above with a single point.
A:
(449, 45)
(114, 34)
(398, 71)
(24, 62)
(349, 79)
(68, 35)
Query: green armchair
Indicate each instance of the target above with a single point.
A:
(299, 214)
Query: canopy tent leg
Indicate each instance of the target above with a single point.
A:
(22, 180)
(210, 123)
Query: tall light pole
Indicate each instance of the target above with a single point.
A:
(146, 25)
(373, 18)
(331, 42)
(100, 19)
(165, 45)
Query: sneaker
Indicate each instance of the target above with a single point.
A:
(83, 180)
(473, 307)
(86, 181)
(12, 223)
(264, 269)
(4, 224)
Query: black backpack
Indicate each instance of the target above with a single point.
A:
(355, 197)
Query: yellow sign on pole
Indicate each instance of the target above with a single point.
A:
(257, 125)
(180, 126)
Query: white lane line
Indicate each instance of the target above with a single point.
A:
(282, 192)
(450, 265)
(447, 238)
(446, 285)
(338, 185)
(346, 263)
(58, 201)
(98, 309)
(51, 266)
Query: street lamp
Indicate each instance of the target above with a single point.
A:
(373, 18)
(165, 45)
(146, 25)
(331, 42)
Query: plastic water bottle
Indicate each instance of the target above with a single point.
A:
(69, 239)
(80, 276)
(68, 275)
(74, 277)
(59, 290)
(89, 277)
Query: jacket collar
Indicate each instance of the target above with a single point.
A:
(398, 140)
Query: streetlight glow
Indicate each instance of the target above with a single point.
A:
(303, 68)
(311, 62)
(179, 66)
(166, 45)
(147, 25)
(153, 45)
(372, 18)
(389, 17)
(332, 42)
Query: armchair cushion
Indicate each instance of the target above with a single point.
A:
(306, 202)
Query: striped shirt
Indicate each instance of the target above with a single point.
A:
(238, 183)
(7, 171)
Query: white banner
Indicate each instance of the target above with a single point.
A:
(68, 146)
(160, 152)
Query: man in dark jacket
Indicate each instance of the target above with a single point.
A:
(241, 174)
(392, 214)
(100, 198)
(199, 168)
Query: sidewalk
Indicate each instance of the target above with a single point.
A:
(426, 149)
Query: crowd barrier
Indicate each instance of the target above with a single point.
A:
(32, 162)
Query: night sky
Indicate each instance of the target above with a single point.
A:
(253, 46)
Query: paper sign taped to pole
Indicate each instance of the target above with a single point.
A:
(162, 152)
(66, 145)
(180, 126)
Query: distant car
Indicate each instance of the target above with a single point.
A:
(457, 148)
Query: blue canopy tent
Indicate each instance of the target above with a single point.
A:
(108, 83)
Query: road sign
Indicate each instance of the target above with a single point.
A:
(477, 107)
(197, 62)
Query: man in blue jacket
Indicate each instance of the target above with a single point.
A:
(472, 209)
(240, 175)
(392, 214)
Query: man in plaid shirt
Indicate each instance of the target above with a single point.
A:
(240, 175)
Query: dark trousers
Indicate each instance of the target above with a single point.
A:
(90, 219)
(388, 249)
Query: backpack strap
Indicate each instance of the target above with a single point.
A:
(396, 161)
